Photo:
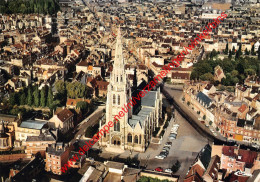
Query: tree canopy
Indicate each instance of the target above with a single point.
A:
(29, 6)
(236, 70)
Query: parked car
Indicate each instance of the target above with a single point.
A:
(176, 125)
(159, 157)
(168, 144)
(203, 122)
(166, 148)
(164, 154)
(172, 136)
(78, 137)
(168, 170)
(215, 134)
(159, 169)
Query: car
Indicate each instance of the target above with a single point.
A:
(168, 170)
(159, 169)
(168, 144)
(159, 157)
(166, 148)
(172, 136)
(215, 134)
(174, 128)
(78, 137)
(176, 125)
(203, 122)
(164, 153)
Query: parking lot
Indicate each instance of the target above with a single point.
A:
(184, 148)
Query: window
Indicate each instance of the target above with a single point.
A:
(118, 99)
(136, 139)
(129, 138)
(121, 78)
(114, 99)
(117, 79)
(140, 139)
(117, 126)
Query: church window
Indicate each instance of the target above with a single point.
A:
(118, 99)
(129, 138)
(121, 78)
(140, 139)
(117, 79)
(117, 126)
(114, 99)
(136, 139)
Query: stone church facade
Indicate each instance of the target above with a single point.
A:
(133, 131)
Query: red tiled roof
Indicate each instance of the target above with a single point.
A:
(177, 75)
(242, 108)
(247, 156)
(157, 65)
(64, 114)
(102, 85)
(229, 151)
(82, 63)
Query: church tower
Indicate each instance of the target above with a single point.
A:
(118, 94)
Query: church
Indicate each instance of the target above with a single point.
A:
(134, 130)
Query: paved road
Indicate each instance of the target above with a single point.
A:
(89, 121)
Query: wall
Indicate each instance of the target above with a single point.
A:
(12, 157)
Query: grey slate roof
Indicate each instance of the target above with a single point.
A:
(31, 124)
(204, 98)
(149, 99)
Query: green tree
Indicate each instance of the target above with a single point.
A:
(250, 72)
(29, 97)
(76, 90)
(258, 52)
(36, 97)
(230, 54)
(83, 106)
(207, 77)
(234, 73)
(50, 97)
(239, 52)
(60, 86)
(247, 52)
(210, 123)
(43, 97)
(176, 166)
(14, 99)
(23, 98)
(226, 50)
(253, 50)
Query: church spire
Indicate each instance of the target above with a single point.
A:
(119, 58)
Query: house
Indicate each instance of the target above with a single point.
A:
(218, 73)
(63, 120)
(35, 144)
(179, 77)
(57, 155)
(199, 166)
(211, 174)
(29, 128)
